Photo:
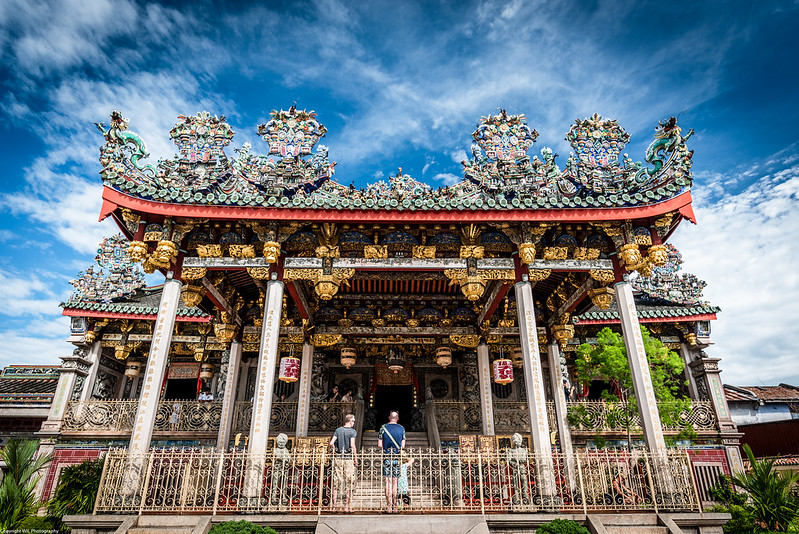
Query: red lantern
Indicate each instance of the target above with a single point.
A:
(289, 369)
(503, 371)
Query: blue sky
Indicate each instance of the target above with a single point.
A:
(403, 84)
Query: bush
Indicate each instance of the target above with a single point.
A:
(77, 489)
(34, 523)
(240, 527)
(562, 526)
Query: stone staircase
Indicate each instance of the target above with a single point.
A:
(413, 440)
(630, 523)
(163, 524)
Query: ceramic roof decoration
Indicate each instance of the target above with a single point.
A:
(143, 303)
(667, 284)
(116, 278)
(500, 175)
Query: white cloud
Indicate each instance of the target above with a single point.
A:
(745, 247)
(447, 178)
(40, 344)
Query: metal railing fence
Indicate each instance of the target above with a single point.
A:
(204, 481)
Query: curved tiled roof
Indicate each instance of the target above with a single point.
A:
(144, 302)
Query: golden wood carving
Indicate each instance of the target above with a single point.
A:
(137, 250)
(585, 253)
(209, 251)
(192, 295)
(602, 275)
(536, 275)
(241, 251)
(375, 252)
(193, 273)
(327, 251)
(424, 251)
(601, 297)
(271, 251)
(325, 340)
(164, 254)
(556, 253)
(472, 251)
(562, 334)
(658, 255)
(527, 252)
(258, 273)
(497, 274)
(469, 341)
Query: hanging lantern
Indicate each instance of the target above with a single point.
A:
(396, 362)
(289, 369)
(206, 371)
(348, 357)
(518, 357)
(132, 370)
(444, 356)
(503, 371)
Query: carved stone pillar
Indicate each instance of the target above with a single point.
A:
(695, 391)
(639, 367)
(486, 401)
(151, 388)
(71, 384)
(705, 374)
(93, 355)
(156, 364)
(304, 393)
(229, 394)
(267, 361)
(534, 385)
(559, 399)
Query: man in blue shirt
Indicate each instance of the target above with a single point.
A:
(392, 439)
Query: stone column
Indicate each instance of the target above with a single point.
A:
(304, 393)
(689, 355)
(559, 400)
(156, 364)
(534, 385)
(71, 383)
(93, 355)
(639, 367)
(267, 361)
(262, 404)
(486, 401)
(229, 395)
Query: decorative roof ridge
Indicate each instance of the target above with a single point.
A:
(500, 175)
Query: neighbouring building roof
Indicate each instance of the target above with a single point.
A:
(779, 394)
(32, 385)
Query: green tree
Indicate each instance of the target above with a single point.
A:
(771, 500)
(607, 359)
(240, 527)
(77, 489)
(18, 489)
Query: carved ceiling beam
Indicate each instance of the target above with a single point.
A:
(423, 331)
(226, 263)
(219, 301)
(492, 302)
(572, 301)
(298, 295)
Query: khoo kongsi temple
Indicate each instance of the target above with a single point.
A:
(290, 300)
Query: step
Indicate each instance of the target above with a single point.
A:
(636, 529)
(149, 521)
(163, 529)
(419, 524)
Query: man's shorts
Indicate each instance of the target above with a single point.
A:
(391, 467)
(343, 472)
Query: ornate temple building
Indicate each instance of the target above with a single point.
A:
(290, 300)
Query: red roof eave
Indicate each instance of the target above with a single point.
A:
(74, 312)
(112, 199)
(675, 319)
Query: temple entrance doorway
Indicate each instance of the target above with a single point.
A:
(396, 398)
(181, 389)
